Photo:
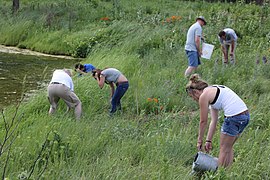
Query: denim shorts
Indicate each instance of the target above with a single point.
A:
(193, 58)
(234, 126)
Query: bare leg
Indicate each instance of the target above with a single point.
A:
(232, 56)
(189, 70)
(225, 53)
(226, 150)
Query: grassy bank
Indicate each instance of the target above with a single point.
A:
(145, 40)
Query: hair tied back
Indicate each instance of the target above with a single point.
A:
(194, 78)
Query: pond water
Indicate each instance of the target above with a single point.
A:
(25, 74)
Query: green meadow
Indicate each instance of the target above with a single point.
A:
(155, 135)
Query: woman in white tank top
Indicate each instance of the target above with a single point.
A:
(218, 97)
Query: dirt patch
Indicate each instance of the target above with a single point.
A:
(15, 50)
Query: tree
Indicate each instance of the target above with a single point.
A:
(15, 5)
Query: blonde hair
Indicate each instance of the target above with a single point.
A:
(195, 82)
(69, 72)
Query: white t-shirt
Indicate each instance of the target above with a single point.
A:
(60, 76)
(228, 101)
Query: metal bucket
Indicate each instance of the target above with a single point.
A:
(204, 162)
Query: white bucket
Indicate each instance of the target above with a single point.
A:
(204, 162)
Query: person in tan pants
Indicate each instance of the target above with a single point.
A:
(61, 87)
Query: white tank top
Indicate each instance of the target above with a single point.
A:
(228, 101)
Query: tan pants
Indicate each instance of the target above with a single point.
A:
(60, 91)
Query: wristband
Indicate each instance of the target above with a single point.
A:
(208, 141)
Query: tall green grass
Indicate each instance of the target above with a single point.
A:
(148, 140)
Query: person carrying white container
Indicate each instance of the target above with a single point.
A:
(193, 45)
(236, 116)
(228, 40)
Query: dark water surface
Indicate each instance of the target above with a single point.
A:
(23, 74)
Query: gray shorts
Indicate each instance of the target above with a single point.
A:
(57, 91)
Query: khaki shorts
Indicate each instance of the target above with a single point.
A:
(57, 91)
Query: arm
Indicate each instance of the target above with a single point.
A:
(224, 52)
(71, 86)
(203, 102)
(232, 48)
(198, 44)
(101, 81)
(112, 89)
(80, 71)
(212, 129)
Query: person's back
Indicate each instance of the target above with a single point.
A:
(111, 74)
(89, 68)
(60, 76)
(84, 69)
(228, 40)
(229, 101)
(230, 36)
(61, 87)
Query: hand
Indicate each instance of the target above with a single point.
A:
(202, 39)
(208, 146)
(200, 53)
(199, 146)
(96, 76)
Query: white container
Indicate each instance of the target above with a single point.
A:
(207, 50)
(204, 162)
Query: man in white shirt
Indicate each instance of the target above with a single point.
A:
(228, 40)
(61, 87)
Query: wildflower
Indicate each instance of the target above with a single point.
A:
(176, 18)
(149, 99)
(168, 20)
(155, 99)
(173, 19)
(105, 19)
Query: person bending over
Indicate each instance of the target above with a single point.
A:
(112, 76)
(61, 87)
(84, 69)
(228, 40)
(236, 116)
